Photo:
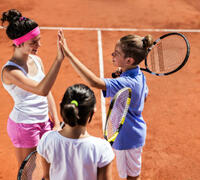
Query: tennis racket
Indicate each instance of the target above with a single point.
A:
(31, 168)
(116, 114)
(167, 55)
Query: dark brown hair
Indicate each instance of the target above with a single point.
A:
(77, 114)
(18, 25)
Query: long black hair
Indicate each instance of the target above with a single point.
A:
(18, 25)
(77, 105)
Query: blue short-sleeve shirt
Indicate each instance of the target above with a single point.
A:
(133, 132)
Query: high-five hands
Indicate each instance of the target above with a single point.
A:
(63, 43)
(60, 53)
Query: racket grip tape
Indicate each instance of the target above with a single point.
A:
(114, 75)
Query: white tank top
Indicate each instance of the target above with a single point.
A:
(28, 107)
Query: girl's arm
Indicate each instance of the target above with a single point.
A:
(52, 106)
(17, 77)
(53, 111)
(105, 173)
(81, 69)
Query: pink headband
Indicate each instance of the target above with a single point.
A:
(28, 36)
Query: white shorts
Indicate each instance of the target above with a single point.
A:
(129, 162)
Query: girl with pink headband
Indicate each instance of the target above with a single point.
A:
(24, 79)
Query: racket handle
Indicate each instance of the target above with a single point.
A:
(114, 75)
(117, 73)
(62, 125)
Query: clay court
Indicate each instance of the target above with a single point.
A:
(172, 111)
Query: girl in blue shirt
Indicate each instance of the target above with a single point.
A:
(129, 51)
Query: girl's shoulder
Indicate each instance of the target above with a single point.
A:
(48, 134)
(98, 141)
(9, 65)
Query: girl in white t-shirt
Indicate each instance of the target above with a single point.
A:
(72, 153)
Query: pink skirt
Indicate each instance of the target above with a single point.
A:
(27, 135)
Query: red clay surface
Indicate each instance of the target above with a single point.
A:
(172, 111)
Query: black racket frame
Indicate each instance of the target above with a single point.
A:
(179, 67)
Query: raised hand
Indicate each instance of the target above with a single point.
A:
(60, 54)
(63, 44)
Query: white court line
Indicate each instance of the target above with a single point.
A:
(101, 69)
(118, 29)
(121, 29)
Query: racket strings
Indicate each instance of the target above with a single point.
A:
(32, 169)
(117, 113)
(167, 54)
(160, 57)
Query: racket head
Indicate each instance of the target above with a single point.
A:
(31, 167)
(167, 55)
(116, 114)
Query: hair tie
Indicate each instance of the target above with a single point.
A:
(74, 102)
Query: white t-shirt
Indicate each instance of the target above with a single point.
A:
(74, 159)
